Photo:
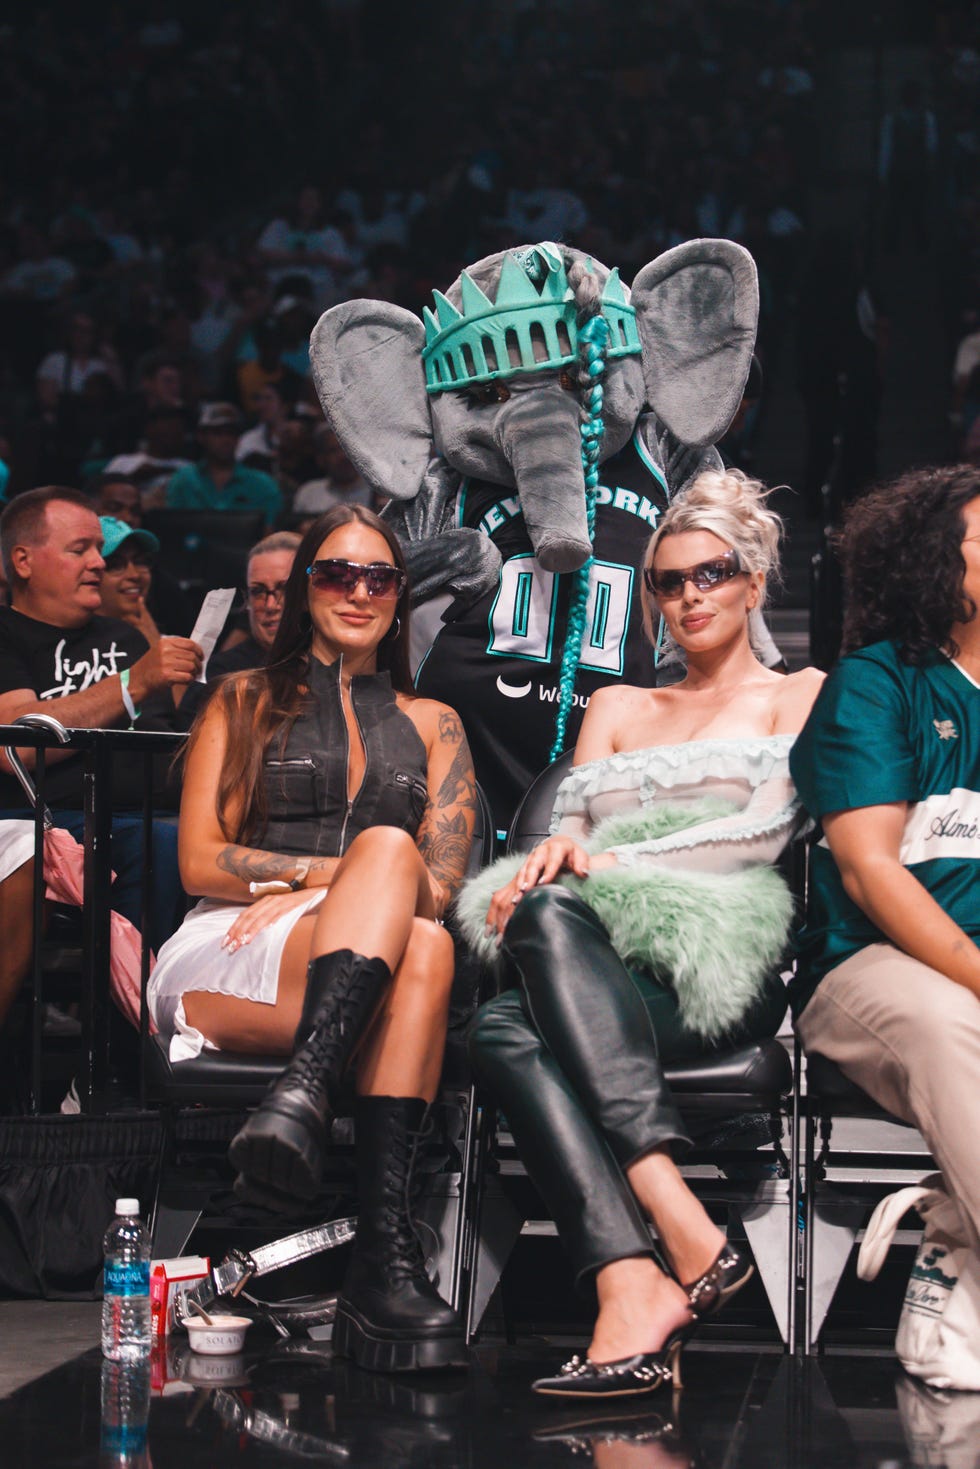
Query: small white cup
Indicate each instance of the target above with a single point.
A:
(224, 1337)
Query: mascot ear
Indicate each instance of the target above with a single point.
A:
(367, 366)
(697, 308)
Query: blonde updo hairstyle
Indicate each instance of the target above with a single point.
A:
(731, 506)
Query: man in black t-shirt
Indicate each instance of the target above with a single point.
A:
(58, 656)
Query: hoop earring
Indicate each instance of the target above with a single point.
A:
(394, 630)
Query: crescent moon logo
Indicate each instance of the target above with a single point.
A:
(510, 692)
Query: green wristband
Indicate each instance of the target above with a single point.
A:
(127, 697)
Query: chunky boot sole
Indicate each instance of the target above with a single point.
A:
(378, 1350)
(279, 1153)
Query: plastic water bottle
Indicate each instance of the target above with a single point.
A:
(126, 1326)
(125, 1411)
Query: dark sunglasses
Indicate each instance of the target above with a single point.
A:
(341, 577)
(705, 576)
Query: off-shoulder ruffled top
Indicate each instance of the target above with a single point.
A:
(751, 775)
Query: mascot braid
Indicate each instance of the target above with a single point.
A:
(593, 338)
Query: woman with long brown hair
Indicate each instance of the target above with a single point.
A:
(326, 820)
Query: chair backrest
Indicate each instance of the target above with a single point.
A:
(182, 530)
(481, 852)
(532, 819)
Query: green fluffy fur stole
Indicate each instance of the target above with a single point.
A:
(714, 938)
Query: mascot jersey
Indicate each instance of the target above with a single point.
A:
(498, 661)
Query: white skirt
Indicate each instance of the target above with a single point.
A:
(16, 846)
(193, 959)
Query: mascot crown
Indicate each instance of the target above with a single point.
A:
(532, 325)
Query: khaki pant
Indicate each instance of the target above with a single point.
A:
(910, 1038)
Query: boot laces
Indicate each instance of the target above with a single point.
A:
(402, 1190)
(320, 1054)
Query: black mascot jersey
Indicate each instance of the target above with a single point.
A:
(498, 662)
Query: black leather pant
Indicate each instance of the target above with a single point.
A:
(571, 1057)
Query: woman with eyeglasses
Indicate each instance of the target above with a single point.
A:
(326, 820)
(677, 804)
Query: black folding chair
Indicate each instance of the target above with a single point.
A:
(751, 1186)
(227, 1084)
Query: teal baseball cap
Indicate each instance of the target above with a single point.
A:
(114, 532)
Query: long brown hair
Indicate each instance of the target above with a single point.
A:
(261, 705)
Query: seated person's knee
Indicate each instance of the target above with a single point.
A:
(494, 1031)
(384, 843)
(539, 908)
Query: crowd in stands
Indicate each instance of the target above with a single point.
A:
(177, 215)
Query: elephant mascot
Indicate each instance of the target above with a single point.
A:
(529, 431)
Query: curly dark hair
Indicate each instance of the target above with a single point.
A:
(902, 563)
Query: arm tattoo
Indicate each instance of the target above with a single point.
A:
(445, 833)
(253, 866)
(459, 786)
(445, 847)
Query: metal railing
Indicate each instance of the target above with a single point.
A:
(97, 748)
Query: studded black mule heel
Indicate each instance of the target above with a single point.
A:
(629, 1377)
(722, 1280)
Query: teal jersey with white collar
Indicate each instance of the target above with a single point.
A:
(884, 731)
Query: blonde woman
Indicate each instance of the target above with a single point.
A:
(665, 832)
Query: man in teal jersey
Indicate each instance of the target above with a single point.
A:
(889, 762)
(219, 482)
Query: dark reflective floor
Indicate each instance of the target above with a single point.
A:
(283, 1404)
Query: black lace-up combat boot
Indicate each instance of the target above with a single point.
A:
(390, 1317)
(279, 1151)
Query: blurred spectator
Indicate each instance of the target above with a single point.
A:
(338, 482)
(259, 446)
(964, 369)
(842, 337)
(69, 368)
(381, 217)
(907, 168)
(40, 275)
(217, 320)
(260, 363)
(115, 495)
(160, 384)
(737, 447)
(126, 576)
(161, 453)
(94, 420)
(296, 459)
(540, 210)
(218, 482)
(294, 318)
(301, 245)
